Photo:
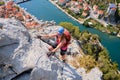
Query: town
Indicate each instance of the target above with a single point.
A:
(104, 17)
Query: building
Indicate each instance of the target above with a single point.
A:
(63, 2)
(20, 1)
(95, 9)
(111, 13)
(119, 6)
(100, 14)
(111, 9)
(85, 14)
(75, 10)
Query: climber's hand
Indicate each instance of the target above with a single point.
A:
(50, 53)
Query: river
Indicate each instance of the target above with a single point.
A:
(44, 10)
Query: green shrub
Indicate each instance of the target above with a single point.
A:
(74, 30)
(2, 3)
(108, 67)
(87, 61)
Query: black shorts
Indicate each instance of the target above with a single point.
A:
(63, 52)
(54, 45)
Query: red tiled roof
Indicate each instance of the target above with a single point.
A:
(95, 7)
(8, 6)
(85, 4)
(86, 8)
(33, 23)
(28, 16)
(14, 9)
(19, 14)
(79, 6)
(28, 25)
(61, 1)
(10, 3)
(101, 12)
(80, 0)
(84, 14)
(6, 16)
(119, 4)
(2, 11)
(2, 7)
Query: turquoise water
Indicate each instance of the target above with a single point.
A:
(44, 10)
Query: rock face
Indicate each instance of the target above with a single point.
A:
(94, 74)
(23, 56)
(53, 69)
(20, 52)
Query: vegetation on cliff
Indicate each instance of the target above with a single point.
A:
(109, 28)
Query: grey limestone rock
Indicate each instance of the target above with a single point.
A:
(23, 51)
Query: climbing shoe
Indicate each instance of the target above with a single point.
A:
(39, 37)
(64, 61)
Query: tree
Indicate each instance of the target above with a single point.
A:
(108, 67)
(86, 35)
(111, 75)
(74, 30)
(68, 26)
(87, 61)
(76, 33)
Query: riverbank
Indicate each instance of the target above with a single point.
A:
(41, 22)
(81, 22)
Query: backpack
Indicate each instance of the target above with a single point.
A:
(68, 36)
